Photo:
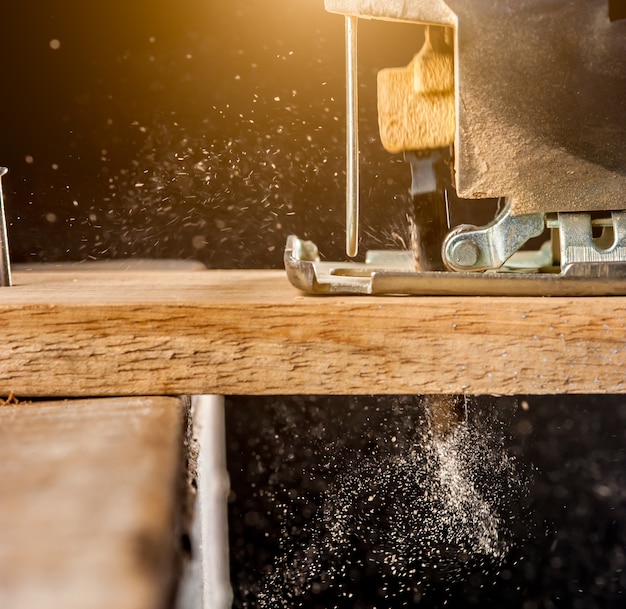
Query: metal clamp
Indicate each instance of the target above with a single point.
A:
(577, 243)
(471, 248)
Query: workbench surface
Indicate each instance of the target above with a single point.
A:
(90, 496)
(76, 332)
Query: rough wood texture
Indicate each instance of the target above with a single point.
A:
(250, 332)
(87, 500)
(416, 102)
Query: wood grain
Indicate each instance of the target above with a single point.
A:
(250, 332)
(87, 503)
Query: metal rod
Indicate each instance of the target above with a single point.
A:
(352, 139)
(5, 261)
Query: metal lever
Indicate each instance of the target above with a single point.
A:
(472, 248)
(5, 261)
(352, 139)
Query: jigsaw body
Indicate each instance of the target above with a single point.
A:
(524, 102)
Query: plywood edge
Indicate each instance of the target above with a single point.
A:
(250, 332)
(89, 496)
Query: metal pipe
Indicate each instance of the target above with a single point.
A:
(5, 261)
(352, 139)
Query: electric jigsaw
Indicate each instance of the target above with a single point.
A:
(522, 103)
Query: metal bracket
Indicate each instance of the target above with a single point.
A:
(391, 273)
(470, 248)
(577, 243)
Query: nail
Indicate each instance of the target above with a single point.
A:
(5, 260)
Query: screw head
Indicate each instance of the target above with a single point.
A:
(464, 253)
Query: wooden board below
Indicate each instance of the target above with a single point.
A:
(87, 503)
(250, 332)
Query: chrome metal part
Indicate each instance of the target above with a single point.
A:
(577, 243)
(391, 274)
(423, 174)
(5, 260)
(352, 139)
(470, 248)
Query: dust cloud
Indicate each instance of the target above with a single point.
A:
(379, 508)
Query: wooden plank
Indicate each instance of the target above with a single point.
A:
(250, 332)
(87, 503)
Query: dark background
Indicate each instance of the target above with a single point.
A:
(190, 129)
(561, 498)
(209, 130)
